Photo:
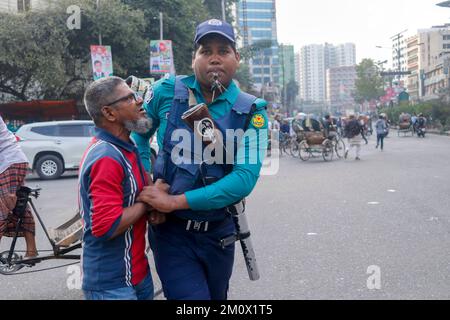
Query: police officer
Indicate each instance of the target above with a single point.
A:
(189, 259)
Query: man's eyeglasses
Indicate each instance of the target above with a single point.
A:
(132, 96)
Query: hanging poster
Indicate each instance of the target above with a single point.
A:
(101, 61)
(161, 57)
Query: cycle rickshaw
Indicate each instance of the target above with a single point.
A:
(64, 239)
(405, 125)
(313, 139)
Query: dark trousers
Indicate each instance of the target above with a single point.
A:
(380, 140)
(192, 265)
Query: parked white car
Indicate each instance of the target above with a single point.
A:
(55, 147)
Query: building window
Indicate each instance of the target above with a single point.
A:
(23, 5)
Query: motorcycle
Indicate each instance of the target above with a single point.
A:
(420, 132)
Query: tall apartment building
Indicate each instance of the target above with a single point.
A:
(400, 57)
(256, 22)
(312, 73)
(434, 55)
(18, 6)
(412, 53)
(297, 68)
(340, 86)
(314, 60)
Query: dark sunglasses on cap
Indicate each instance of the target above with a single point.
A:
(128, 97)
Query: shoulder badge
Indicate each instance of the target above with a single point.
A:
(258, 120)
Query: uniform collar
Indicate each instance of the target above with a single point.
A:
(104, 135)
(229, 95)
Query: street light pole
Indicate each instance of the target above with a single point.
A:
(161, 32)
(223, 11)
(99, 33)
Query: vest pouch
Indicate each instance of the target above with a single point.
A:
(184, 177)
(210, 174)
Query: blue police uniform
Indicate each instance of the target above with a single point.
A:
(190, 261)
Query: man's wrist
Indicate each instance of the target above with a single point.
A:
(142, 206)
(179, 202)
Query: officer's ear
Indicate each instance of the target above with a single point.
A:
(109, 113)
(238, 56)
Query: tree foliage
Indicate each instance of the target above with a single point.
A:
(369, 83)
(214, 8)
(438, 111)
(179, 20)
(40, 58)
(292, 90)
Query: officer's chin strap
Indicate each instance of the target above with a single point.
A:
(237, 212)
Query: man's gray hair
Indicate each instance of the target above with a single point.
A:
(100, 93)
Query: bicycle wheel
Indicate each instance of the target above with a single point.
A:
(304, 152)
(294, 149)
(339, 148)
(5, 267)
(327, 151)
(287, 147)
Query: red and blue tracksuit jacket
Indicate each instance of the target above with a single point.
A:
(111, 178)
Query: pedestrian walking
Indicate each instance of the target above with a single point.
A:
(354, 132)
(381, 128)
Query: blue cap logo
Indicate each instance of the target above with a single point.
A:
(215, 22)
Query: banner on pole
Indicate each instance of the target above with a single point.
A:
(161, 57)
(101, 61)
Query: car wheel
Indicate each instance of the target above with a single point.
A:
(49, 167)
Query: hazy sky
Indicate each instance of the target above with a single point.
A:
(367, 23)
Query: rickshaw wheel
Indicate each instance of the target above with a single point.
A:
(327, 152)
(5, 267)
(294, 149)
(304, 152)
(339, 148)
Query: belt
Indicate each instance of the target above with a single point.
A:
(196, 225)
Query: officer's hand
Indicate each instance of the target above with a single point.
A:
(155, 217)
(162, 185)
(10, 201)
(157, 197)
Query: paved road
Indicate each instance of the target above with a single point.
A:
(320, 230)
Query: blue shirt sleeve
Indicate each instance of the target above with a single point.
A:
(248, 162)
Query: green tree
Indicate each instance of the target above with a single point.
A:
(214, 8)
(243, 76)
(292, 90)
(180, 18)
(40, 58)
(369, 83)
